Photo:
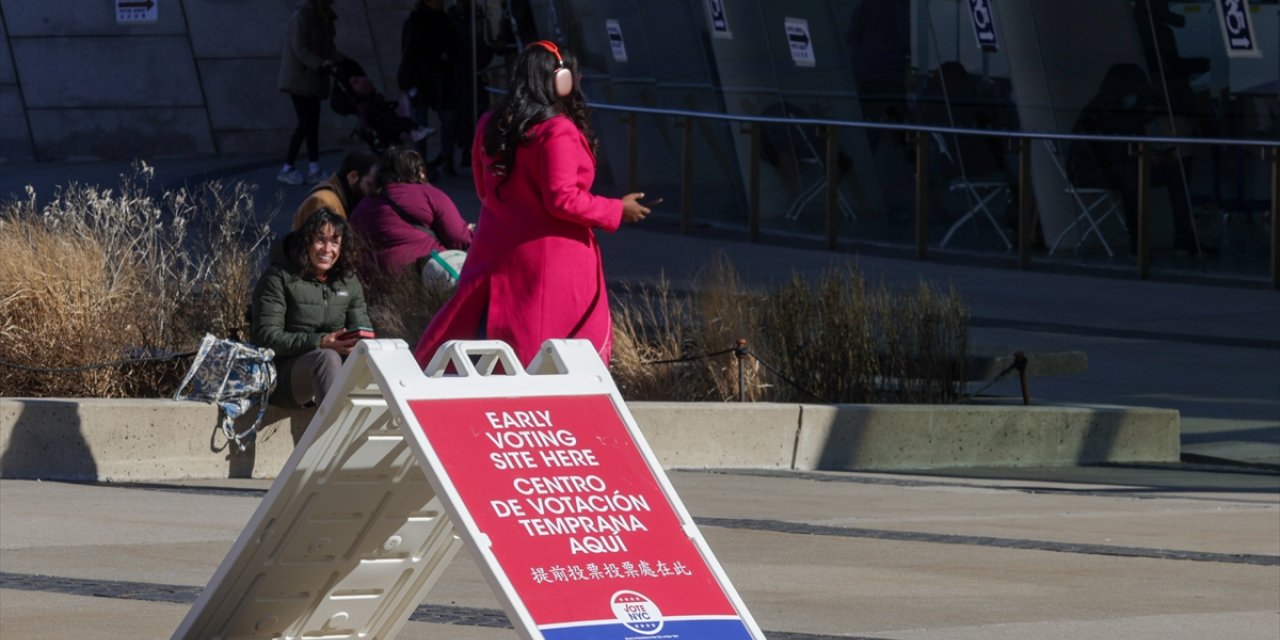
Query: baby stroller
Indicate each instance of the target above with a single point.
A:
(379, 125)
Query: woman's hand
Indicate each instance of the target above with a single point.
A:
(335, 342)
(632, 210)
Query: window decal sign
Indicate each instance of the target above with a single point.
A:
(984, 24)
(136, 11)
(619, 47)
(719, 19)
(1237, 29)
(800, 42)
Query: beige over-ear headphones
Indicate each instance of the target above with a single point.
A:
(563, 79)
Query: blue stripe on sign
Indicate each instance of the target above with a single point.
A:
(683, 629)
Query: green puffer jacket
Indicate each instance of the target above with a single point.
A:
(291, 313)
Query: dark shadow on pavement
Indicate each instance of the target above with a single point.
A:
(47, 443)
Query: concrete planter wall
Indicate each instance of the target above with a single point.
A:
(156, 440)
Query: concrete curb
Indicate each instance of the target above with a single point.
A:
(155, 440)
(905, 437)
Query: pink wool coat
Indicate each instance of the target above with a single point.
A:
(533, 271)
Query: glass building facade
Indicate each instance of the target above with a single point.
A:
(1203, 70)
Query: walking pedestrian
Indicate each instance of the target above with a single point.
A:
(428, 55)
(533, 271)
(309, 52)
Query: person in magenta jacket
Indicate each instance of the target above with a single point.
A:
(407, 218)
(533, 272)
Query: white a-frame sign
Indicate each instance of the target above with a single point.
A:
(542, 473)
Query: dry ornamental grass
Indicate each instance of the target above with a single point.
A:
(97, 276)
(401, 305)
(834, 340)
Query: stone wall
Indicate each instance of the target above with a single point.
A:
(156, 440)
(201, 80)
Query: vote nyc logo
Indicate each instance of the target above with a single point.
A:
(636, 612)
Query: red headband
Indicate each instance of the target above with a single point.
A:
(549, 46)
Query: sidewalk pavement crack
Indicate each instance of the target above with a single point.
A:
(780, 526)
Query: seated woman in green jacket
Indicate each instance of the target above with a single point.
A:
(304, 303)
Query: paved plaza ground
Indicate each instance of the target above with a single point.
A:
(1187, 550)
(1132, 553)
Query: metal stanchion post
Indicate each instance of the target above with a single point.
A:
(686, 178)
(475, 68)
(1020, 363)
(1144, 212)
(633, 151)
(753, 183)
(1026, 226)
(1275, 217)
(922, 195)
(833, 178)
(741, 353)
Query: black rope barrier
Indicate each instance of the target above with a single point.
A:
(99, 365)
(784, 378)
(691, 358)
(999, 376)
(741, 351)
(1019, 363)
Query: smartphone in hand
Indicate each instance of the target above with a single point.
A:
(358, 333)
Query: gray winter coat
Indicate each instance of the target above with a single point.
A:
(308, 44)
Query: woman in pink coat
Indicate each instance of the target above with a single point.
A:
(533, 271)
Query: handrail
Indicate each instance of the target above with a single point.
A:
(1140, 148)
(885, 126)
(1269, 150)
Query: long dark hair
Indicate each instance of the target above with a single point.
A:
(297, 242)
(531, 99)
(401, 165)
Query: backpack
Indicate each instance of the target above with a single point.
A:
(440, 265)
(235, 376)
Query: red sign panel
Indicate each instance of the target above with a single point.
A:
(578, 521)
